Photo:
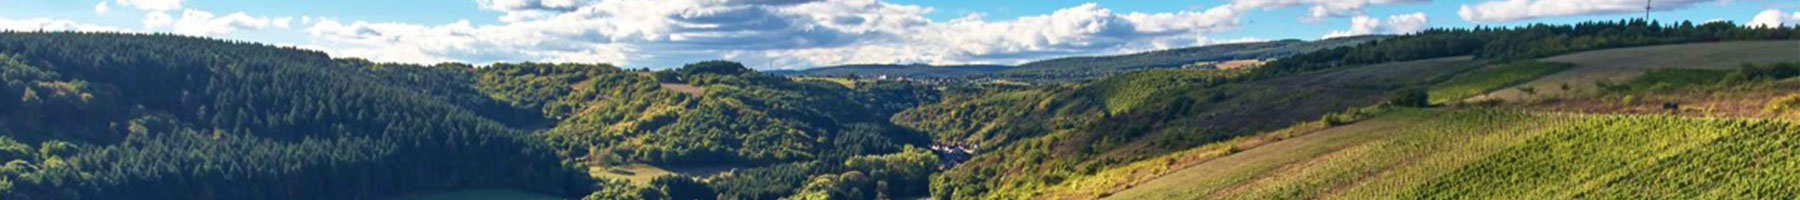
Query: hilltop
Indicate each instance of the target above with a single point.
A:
(1083, 68)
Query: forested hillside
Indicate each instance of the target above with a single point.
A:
(115, 116)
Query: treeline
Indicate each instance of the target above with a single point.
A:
(1096, 67)
(128, 116)
(1526, 42)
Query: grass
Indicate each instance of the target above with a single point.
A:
(840, 81)
(1486, 154)
(1620, 65)
(1665, 79)
(636, 173)
(1492, 78)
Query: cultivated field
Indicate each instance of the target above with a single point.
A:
(1618, 65)
(1486, 154)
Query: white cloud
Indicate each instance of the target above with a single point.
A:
(101, 8)
(663, 33)
(1320, 9)
(197, 22)
(1397, 24)
(1773, 18)
(152, 5)
(46, 24)
(1514, 10)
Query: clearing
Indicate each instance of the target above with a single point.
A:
(683, 88)
(643, 173)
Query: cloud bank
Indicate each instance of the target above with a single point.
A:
(1397, 24)
(1774, 18)
(1515, 10)
(784, 33)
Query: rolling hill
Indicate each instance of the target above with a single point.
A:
(1084, 68)
(1093, 67)
(874, 70)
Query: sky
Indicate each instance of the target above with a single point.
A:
(792, 34)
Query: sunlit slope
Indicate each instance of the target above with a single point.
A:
(1483, 154)
(1618, 65)
(1048, 138)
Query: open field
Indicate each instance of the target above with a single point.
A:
(1491, 78)
(684, 88)
(642, 173)
(1618, 65)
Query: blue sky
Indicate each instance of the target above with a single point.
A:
(808, 33)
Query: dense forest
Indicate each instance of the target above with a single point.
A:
(155, 116)
(117, 116)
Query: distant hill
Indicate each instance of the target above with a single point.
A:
(912, 70)
(1091, 67)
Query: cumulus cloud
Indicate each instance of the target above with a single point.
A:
(1397, 24)
(1320, 9)
(46, 24)
(101, 8)
(152, 5)
(662, 33)
(196, 22)
(1514, 10)
(1774, 18)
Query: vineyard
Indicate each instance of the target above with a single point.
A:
(1488, 154)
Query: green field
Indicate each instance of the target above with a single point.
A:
(1484, 154)
(1623, 64)
(1492, 78)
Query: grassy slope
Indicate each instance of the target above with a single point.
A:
(1492, 78)
(1491, 154)
(1618, 65)
(1220, 113)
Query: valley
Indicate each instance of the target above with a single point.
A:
(1629, 109)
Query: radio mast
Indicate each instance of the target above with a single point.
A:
(1647, 10)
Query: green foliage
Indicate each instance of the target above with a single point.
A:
(1670, 79)
(1492, 78)
(123, 116)
(1413, 97)
(1525, 42)
(718, 67)
(1614, 157)
(1789, 103)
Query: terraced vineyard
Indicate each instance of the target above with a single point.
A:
(1487, 154)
